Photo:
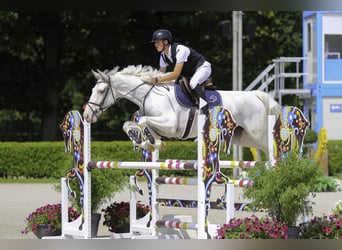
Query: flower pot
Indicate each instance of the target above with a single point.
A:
(44, 230)
(293, 232)
(125, 228)
(95, 220)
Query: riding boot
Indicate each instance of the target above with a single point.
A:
(200, 94)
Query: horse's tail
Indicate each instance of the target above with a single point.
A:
(271, 105)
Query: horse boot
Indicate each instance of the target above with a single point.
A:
(200, 94)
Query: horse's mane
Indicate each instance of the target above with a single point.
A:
(144, 72)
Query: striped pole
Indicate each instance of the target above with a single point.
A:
(176, 224)
(193, 181)
(168, 164)
(241, 182)
(164, 165)
(176, 180)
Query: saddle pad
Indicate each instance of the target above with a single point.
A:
(212, 96)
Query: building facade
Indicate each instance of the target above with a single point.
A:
(322, 50)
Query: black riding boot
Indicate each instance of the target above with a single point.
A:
(200, 94)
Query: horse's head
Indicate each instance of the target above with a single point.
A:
(102, 96)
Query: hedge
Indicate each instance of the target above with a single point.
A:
(49, 160)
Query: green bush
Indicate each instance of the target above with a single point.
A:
(310, 136)
(282, 190)
(334, 148)
(32, 159)
(48, 159)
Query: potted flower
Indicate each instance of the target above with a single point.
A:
(325, 227)
(116, 215)
(46, 220)
(253, 228)
(283, 190)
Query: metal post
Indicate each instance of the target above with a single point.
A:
(201, 234)
(87, 180)
(237, 71)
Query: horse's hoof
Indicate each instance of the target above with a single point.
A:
(133, 136)
(149, 136)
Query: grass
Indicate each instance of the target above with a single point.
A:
(30, 180)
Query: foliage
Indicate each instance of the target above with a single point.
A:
(323, 228)
(49, 160)
(15, 125)
(334, 148)
(253, 228)
(32, 160)
(326, 184)
(104, 184)
(283, 190)
(310, 136)
(117, 214)
(50, 214)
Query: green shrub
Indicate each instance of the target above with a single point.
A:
(326, 184)
(48, 159)
(282, 189)
(334, 148)
(310, 136)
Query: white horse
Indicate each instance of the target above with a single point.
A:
(165, 117)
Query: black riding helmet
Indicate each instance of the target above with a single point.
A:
(162, 34)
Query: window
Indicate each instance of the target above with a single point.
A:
(308, 37)
(333, 46)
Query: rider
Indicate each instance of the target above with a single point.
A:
(185, 62)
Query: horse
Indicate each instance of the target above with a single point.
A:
(165, 115)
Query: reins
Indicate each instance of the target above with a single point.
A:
(100, 105)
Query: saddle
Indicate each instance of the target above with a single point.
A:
(185, 86)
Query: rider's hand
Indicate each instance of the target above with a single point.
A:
(154, 80)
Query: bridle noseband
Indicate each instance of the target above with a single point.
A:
(100, 105)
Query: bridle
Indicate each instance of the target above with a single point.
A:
(104, 108)
(100, 105)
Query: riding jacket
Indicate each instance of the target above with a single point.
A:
(179, 53)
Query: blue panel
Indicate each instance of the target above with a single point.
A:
(333, 70)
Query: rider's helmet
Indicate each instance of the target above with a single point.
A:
(162, 34)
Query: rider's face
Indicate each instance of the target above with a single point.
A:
(160, 45)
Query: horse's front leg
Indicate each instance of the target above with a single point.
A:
(133, 131)
(157, 126)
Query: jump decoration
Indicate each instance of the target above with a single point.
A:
(73, 134)
(289, 131)
(218, 131)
